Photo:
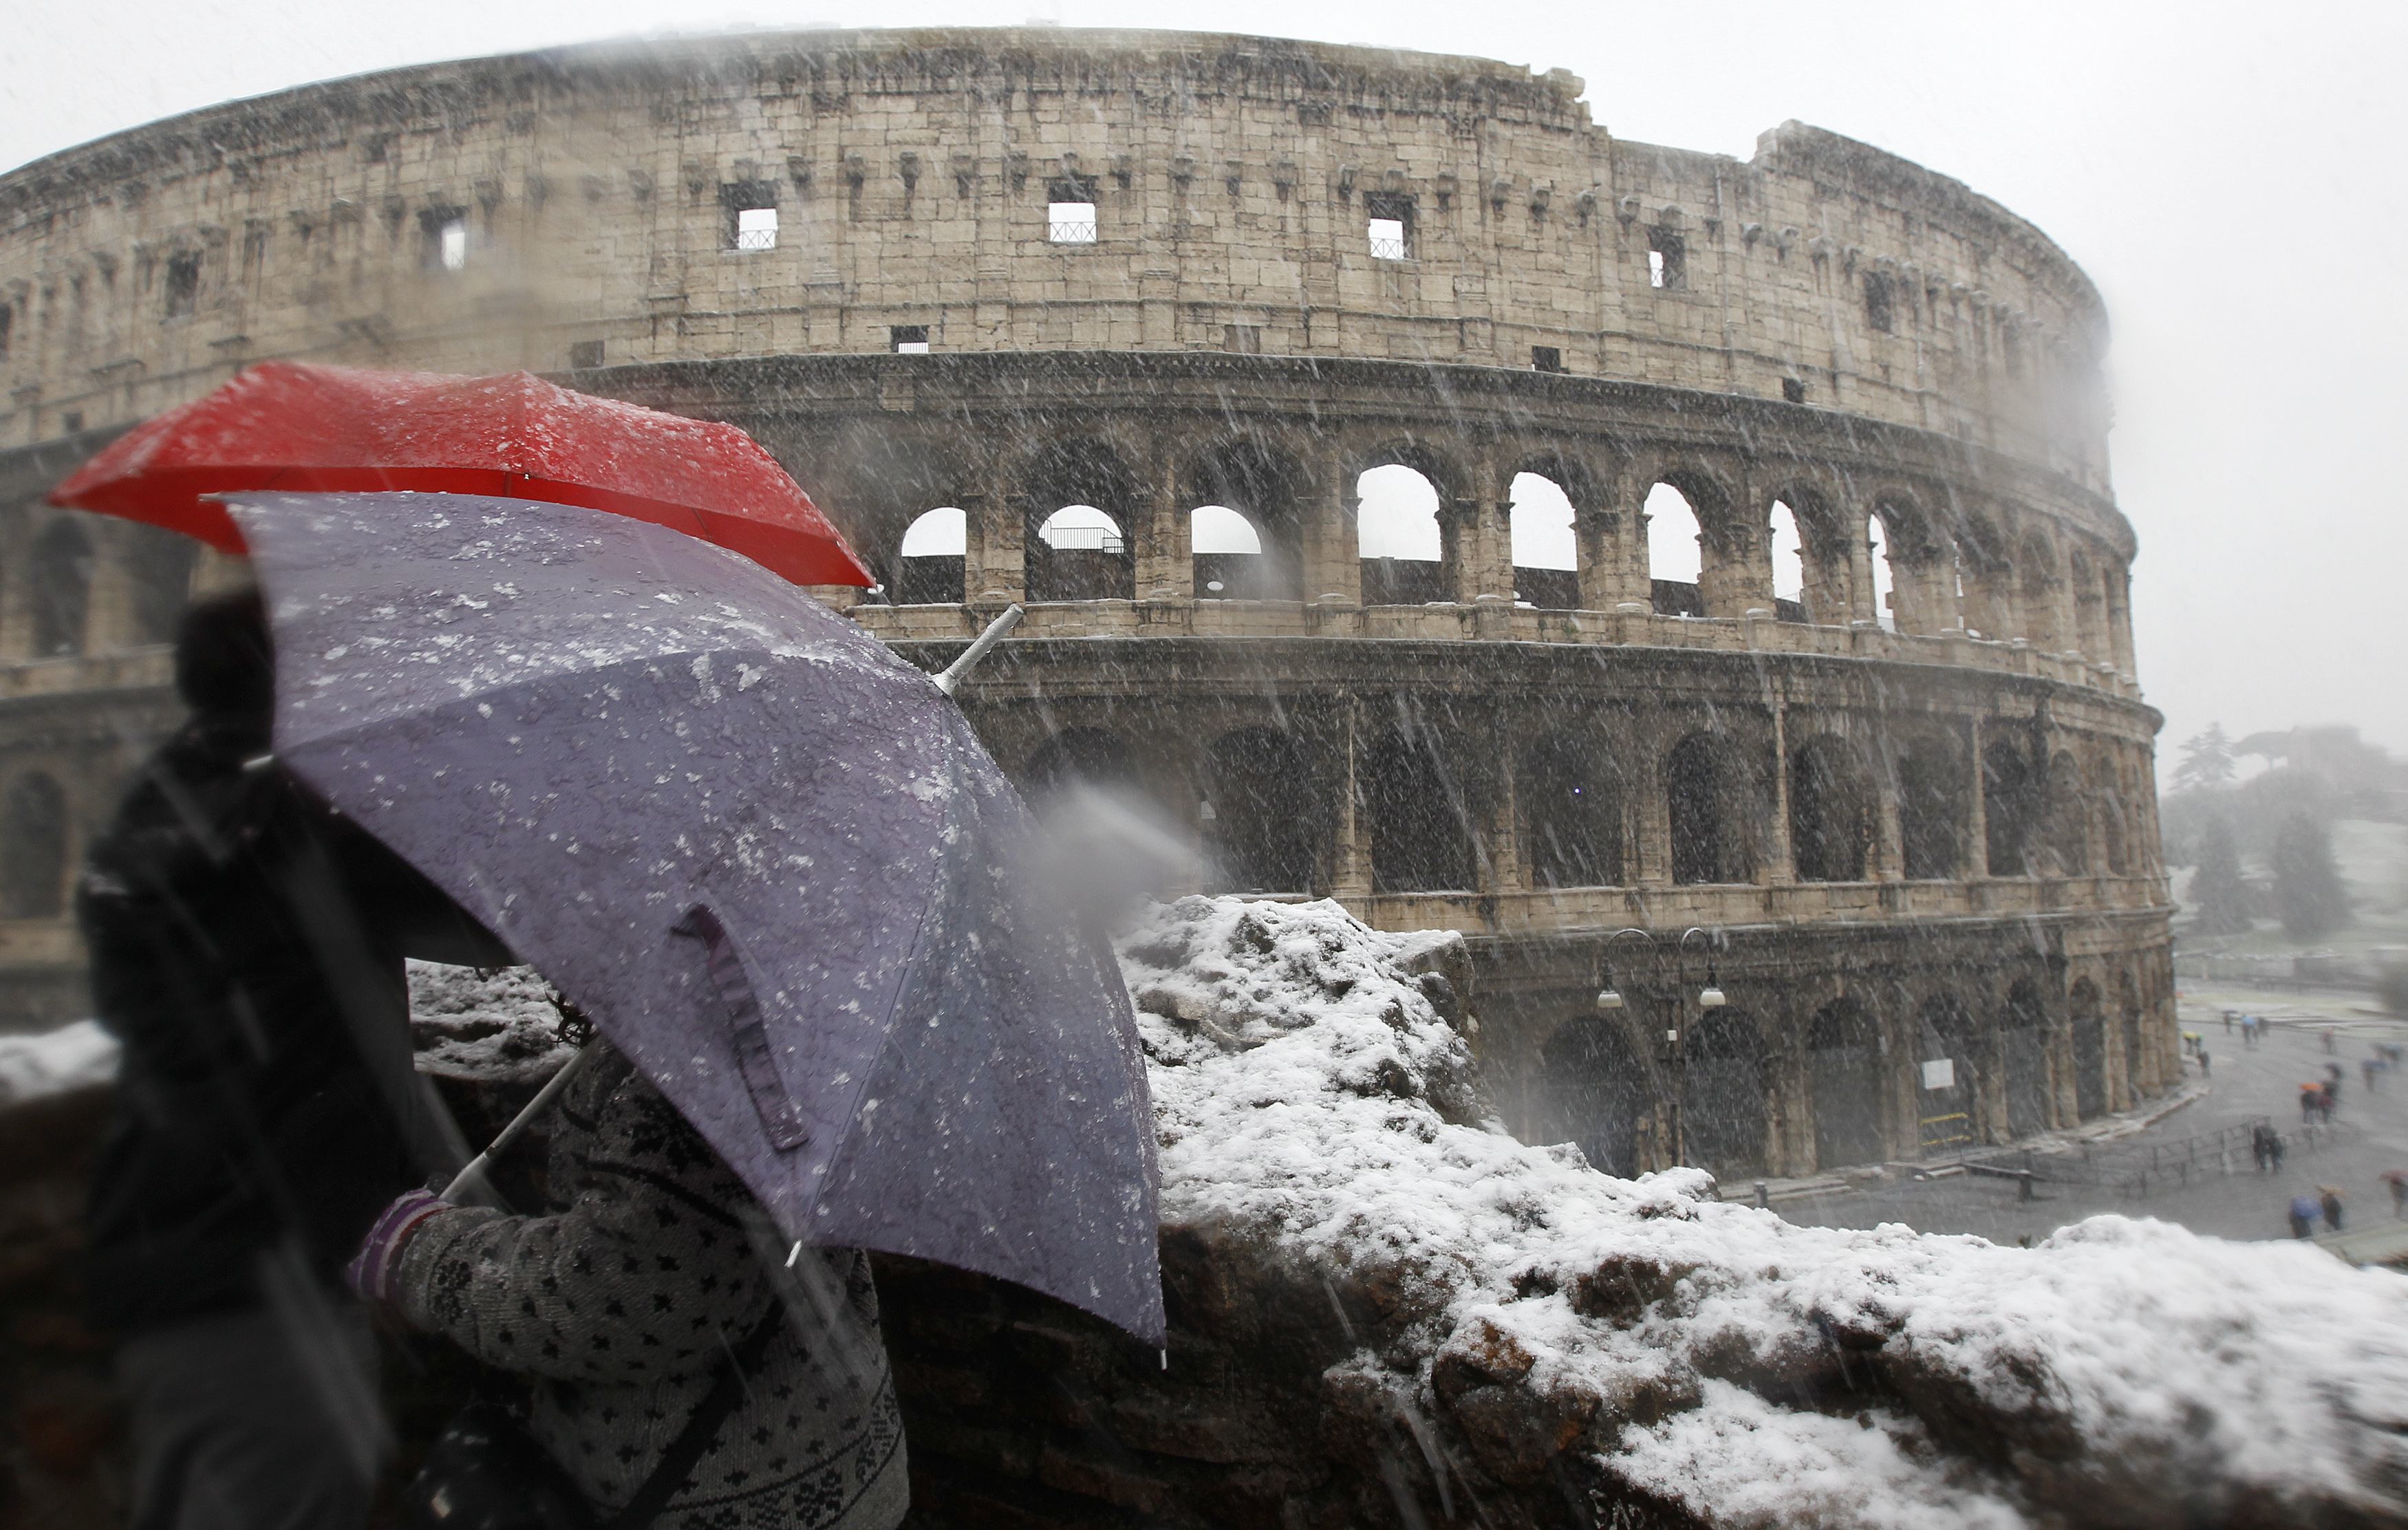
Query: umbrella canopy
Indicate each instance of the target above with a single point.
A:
(766, 855)
(296, 426)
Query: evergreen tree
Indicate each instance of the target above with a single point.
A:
(2206, 762)
(2215, 886)
(2307, 885)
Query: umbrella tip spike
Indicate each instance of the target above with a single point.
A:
(1166, 1360)
(793, 1253)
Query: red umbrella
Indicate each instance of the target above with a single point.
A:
(295, 425)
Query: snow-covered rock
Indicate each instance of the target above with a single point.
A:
(1319, 1104)
(500, 1026)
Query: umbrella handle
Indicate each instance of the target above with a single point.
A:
(470, 1187)
(951, 677)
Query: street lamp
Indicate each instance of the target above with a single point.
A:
(1609, 998)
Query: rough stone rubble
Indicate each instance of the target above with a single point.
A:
(1520, 1312)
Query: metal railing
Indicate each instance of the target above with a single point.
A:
(2141, 1169)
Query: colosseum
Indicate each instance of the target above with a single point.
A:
(1335, 413)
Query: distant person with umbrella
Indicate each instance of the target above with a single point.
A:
(2305, 1212)
(247, 945)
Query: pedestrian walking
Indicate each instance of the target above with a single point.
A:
(2303, 1215)
(246, 949)
(2311, 1099)
(2329, 1038)
(2259, 1152)
(2331, 1201)
(2397, 1181)
(2227, 1023)
(2327, 1098)
(2204, 1071)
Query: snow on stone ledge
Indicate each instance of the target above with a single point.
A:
(55, 1062)
(1314, 1098)
(494, 1027)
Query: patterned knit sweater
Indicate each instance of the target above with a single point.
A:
(652, 1263)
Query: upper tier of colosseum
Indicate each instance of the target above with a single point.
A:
(584, 207)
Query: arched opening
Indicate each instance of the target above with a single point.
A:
(2023, 1038)
(1843, 1059)
(1398, 538)
(2037, 589)
(1079, 757)
(2065, 818)
(1227, 551)
(2007, 793)
(1947, 1074)
(1573, 802)
(1831, 810)
(2128, 1006)
(1878, 554)
(1260, 807)
(1722, 1109)
(1596, 1091)
(1982, 580)
(1711, 798)
(159, 568)
(1546, 556)
(2089, 1049)
(59, 587)
(1079, 553)
(2114, 831)
(928, 571)
(1675, 553)
(1789, 552)
(1245, 533)
(2090, 610)
(1932, 792)
(33, 849)
(1420, 819)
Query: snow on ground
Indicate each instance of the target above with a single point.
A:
(500, 1026)
(1310, 1095)
(53, 1062)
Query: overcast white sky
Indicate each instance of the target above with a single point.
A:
(2231, 176)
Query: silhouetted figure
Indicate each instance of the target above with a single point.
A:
(2330, 1202)
(2303, 1215)
(247, 945)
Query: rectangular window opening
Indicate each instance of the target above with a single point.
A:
(1880, 302)
(1388, 224)
(183, 283)
(1793, 390)
(1667, 260)
(1546, 358)
(583, 354)
(749, 212)
(445, 231)
(1070, 223)
(908, 339)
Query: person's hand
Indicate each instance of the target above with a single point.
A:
(370, 1271)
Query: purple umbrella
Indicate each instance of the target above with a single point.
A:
(766, 855)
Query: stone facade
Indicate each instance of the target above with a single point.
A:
(1903, 837)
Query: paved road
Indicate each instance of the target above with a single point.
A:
(2370, 1135)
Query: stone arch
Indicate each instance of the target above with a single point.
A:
(930, 560)
(1821, 531)
(1984, 577)
(1595, 1089)
(2009, 795)
(1723, 1112)
(1933, 800)
(1406, 531)
(1261, 794)
(2064, 815)
(2114, 825)
(1845, 1071)
(32, 847)
(2036, 588)
(58, 581)
(1572, 801)
(1268, 489)
(1414, 794)
(1944, 1032)
(1545, 493)
(2129, 1012)
(1093, 563)
(2023, 1045)
(1079, 757)
(1714, 802)
(2089, 1026)
(159, 579)
(1917, 555)
(2089, 607)
(1831, 809)
(1686, 501)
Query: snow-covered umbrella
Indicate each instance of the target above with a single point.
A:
(768, 857)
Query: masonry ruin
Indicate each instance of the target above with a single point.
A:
(1117, 326)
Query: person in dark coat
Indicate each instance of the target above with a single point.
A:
(247, 947)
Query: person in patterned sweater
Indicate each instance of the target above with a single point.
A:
(625, 1301)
